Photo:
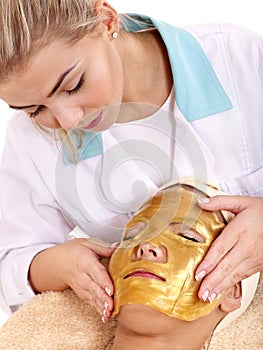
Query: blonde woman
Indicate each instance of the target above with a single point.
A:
(111, 107)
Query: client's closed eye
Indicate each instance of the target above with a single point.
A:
(186, 231)
(134, 229)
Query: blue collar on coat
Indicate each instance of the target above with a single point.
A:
(87, 145)
(198, 90)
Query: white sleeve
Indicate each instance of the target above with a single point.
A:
(31, 219)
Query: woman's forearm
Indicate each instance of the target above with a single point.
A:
(47, 270)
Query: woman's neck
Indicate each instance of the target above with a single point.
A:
(147, 73)
(147, 70)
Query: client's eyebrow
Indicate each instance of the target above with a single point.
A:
(55, 88)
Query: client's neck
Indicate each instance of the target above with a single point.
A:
(137, 331)
(125, 341)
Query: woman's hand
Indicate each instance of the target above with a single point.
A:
(76, 264)
(238, 252)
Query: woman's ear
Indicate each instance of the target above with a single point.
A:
(109, 16)
(231, 299)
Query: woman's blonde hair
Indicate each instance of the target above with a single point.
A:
(27, 25)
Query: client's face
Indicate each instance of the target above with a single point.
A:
(160, 250)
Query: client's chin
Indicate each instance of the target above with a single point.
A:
(151, 329)
(142, 320)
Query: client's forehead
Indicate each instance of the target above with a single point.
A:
(172, 196)
(176, 204)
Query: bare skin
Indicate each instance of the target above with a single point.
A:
(76, 264)
(162, 332)
(237, 253)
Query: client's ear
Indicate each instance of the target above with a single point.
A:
(231, 299)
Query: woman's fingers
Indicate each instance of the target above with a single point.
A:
(95, 296)
(232, 268)
(97, 271)
(217, 251)
(234, 204)
(238, 252)
(89, 278)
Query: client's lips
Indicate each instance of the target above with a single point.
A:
(145, 274)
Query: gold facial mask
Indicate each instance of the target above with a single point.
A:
(164, 277)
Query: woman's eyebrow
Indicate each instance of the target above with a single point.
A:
(21, 107)
(60, 80)
(55, 88)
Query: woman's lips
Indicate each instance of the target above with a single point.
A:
(94, 122)
(145, 274)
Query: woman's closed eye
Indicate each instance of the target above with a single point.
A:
(36, 112)
(76, 88)
(70, 92)
(187, 232)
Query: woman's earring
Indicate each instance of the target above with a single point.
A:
(115, 35)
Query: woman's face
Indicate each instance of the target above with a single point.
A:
(63, 85)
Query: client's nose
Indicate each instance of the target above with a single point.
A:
(147, 251)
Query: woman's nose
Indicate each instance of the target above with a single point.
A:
(68, 116)
(147, 251)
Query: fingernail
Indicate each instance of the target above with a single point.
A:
(115, 244)
(205, 295)
(200, 275)
(103, 319)
(104, 313)
(106, 305)
(204, 200)
(108, 291)
(212, 297)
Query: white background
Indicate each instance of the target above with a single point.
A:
(247, 13)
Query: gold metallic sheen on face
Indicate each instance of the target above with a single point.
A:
(168, 286)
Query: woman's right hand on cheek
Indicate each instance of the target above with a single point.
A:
(88, 277)
(76, 264)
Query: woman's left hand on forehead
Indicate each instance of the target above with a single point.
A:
(238, 252)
